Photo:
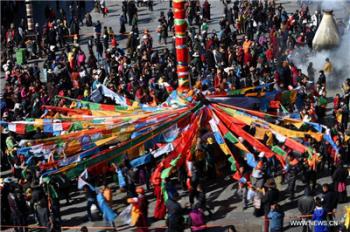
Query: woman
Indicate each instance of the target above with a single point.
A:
(339, 178)
(159, 210)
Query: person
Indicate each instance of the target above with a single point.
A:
(329, 200)
(339, 179)
(292, 172)
(159, 208)
(319, 215)
(206, 10)
(243, 188)
(105, 38)
(37, 195)
(139, 215)
(90, 195)
(124, 9)
(311, 71)
(104, 8)
(129, 175)
(18, 209)
(175, 220)
(257, 196)
(163, 29)
(43, 212)
(107, 193)
(99, 49)
(98, 30)
(84, 229)
(150, 5)
(202, 204)
(275, 217)
(122, 21)
(170, 15)
(88, 20)
(74, 27)
(270, 195)
(109, 215)
(306, 205)
(132, 10)
(328, 67)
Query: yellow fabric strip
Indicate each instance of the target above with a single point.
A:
(260, 133)
(225, 149)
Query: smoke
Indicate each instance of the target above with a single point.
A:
(335, 5)
(339, 56)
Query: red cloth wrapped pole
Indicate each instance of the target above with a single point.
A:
(182, 54)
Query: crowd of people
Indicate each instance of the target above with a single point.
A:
(252, 48)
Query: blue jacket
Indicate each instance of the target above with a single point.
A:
(276, 220)
(318, 216)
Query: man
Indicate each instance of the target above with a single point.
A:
(132, 10)
(37, 195)
(18, 209)
(124, 9)
(270, 196)
(98, 30)
(74, 27)
(175, 221)
(329, 199)
(292, 172)
(306, 206)
(90, 195)
(202, 204)
(328, 67)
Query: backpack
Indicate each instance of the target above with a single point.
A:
(197, 217)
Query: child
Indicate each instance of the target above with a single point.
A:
(318, 216)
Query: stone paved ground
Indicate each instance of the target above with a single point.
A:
(226, 207)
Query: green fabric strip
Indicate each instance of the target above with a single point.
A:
(230, 137)
(166, 173)
(233, 163)
(114, 153)
(278, 150)
(94, 106)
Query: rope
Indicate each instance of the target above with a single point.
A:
(148, 227)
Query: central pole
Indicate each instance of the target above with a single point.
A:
(29, 13)
(182, 54)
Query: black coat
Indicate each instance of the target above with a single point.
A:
(340, 175)
(306, 205)
(37, 194)
(286, 76)
(175, 219)
(271, 196)
(330, 201)
(209, 57)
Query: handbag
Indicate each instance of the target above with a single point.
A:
(341, 187)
